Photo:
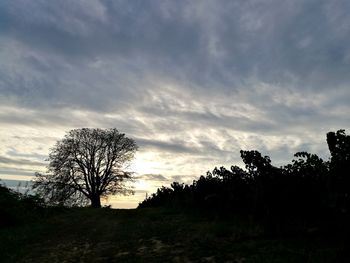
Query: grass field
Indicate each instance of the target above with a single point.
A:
(156, 235)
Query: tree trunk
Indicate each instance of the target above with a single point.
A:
(95, 201)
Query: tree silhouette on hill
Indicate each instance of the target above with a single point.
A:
(308, 187)
(86, 165)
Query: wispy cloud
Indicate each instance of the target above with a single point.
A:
(19, 161)
(193, 82)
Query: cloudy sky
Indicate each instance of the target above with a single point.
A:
(193, 82)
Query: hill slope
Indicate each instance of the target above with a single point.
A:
(157, 235)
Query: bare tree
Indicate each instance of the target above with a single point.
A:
(85, 166)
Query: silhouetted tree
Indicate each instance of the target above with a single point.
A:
(339, 146)
(306, 185)
(85, 165)
(306, 190)
(265, 181)
(235, 189)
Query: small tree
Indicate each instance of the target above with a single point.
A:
(85, 166)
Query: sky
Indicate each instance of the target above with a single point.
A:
(192, 82)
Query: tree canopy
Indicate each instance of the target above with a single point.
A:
(86, 165)
(309, 187)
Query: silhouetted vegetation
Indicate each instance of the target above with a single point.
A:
(85, 165)
(230, 215)
(309, 189)
(17, 208)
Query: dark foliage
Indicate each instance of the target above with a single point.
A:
(339, 146)
(308, 188)
(16, 208)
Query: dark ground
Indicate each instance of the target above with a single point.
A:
(159, 235)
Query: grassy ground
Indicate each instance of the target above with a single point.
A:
(156, 235)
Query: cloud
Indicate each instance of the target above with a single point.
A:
(174, 147)
(19, 172)
(17, 161)
(191, 82)
(153, 177)
(208, 46)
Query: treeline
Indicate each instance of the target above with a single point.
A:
(308, 187)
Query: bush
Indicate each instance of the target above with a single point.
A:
(16, 208)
